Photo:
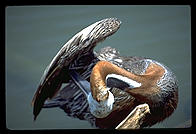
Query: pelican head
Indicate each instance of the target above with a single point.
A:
(155, 85)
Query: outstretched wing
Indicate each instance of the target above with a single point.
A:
(83, 42)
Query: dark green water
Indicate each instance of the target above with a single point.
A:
(34, 34)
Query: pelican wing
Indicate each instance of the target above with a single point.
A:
(83, 42)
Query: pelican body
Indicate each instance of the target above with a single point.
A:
(104, 87)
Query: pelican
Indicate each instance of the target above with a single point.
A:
(104, 87)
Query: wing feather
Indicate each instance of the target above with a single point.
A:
(57, 71)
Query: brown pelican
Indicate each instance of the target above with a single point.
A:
(104, 87)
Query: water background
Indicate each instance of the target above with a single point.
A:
(34, 34)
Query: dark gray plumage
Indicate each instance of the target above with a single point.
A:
(73, 101)
(79, 45)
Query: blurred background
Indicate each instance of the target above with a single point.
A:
(34, 35)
